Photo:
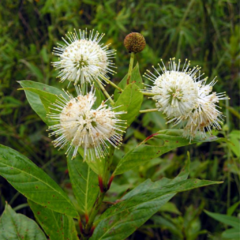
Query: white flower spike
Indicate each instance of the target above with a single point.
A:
(206, 115)
(82, 58)
(80, 125)
(174, 90)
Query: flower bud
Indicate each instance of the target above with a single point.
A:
(134, 42)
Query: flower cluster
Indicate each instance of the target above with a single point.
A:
(83, 60)
(80, 125)
(183, 96)
(179, 92)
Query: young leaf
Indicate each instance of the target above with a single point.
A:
(135, 78)
(18, 226)
(56, 225)
(167, 140)
(34, 97)
(130, 101)
(137, 206)
(84, 182)
(33, 182)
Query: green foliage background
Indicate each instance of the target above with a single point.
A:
(205, 31)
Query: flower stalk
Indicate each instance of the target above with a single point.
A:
(130, 67)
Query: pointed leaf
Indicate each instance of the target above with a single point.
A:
(229, 220)
(84, 183)
(34, 98)
(167, 140)
(56, 225)
(18, 226)
(33, 182)
(137, 206)
(46, 98)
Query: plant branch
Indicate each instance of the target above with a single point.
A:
(148, 110)
(147, 93)
(111, 83)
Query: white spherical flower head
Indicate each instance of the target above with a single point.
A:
(79, 125)
(174, 90)
(205, 115)
(82, 59)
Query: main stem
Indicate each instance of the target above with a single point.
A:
(130, 67)
(104, 185)
(94, 211)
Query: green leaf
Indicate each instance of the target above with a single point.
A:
(165, 141)
(231, 209)
(234, 143)
(233, 233)
(229, 220)
(17, 226)
(84, 183)
(130, 101)
(56, 225)
(33, 182)
(137, 206)
(46, 98)
(33, 96)
(135, 78)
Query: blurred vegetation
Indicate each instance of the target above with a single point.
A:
(205, 31)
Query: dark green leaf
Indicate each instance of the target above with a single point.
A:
(17, 226)
(57, 226)
(231, 209)
(137, 206)
(233, 233)
(166, 140)
(33, 182)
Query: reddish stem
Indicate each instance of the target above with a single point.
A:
(151, 136)
(110, 181)
(92, 230)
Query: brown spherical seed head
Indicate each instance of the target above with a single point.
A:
(134, 42)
